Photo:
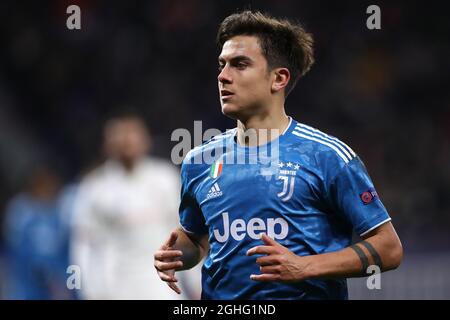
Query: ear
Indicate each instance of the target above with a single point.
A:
(281, 79)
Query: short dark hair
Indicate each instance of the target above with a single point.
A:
(125, 113)
(283, 43)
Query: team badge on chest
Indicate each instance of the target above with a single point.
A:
(287, 174)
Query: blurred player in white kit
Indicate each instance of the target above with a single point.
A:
(123, 209)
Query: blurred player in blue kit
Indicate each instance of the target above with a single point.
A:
(278, 229)
(37, 237)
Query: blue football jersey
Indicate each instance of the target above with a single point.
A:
(306, 189)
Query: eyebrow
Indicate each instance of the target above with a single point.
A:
(236, 59)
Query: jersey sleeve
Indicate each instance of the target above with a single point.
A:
(353, 195)
(191, 216)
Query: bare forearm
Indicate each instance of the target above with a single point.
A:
(353, 262)
(193, 248)
(381, 247)
(341, 264)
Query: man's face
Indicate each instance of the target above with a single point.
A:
(126, 139)
(244, 80)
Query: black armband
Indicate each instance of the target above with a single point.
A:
(376, 257)
(362, 256)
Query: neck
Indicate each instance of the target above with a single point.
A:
(261, 128)
(128, 164)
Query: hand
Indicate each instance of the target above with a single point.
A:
(279, 264)
(167, 262)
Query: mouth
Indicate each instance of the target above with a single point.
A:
(225, 94)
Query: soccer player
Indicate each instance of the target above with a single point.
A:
(280, 229)
(122, 208)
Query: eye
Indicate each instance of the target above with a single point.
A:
(241, 66)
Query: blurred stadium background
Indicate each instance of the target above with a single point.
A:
(385, 92)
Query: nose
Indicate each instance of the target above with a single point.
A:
(224, 75)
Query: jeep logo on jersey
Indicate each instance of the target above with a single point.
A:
(277, 228)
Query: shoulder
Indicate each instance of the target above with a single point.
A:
(218, 142)
(94, 180)
(18, 211)
(94, 174)
(159, 165)
(18, 202)
(322, 148)
(202, 156)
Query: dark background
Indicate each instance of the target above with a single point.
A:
(384, 92)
